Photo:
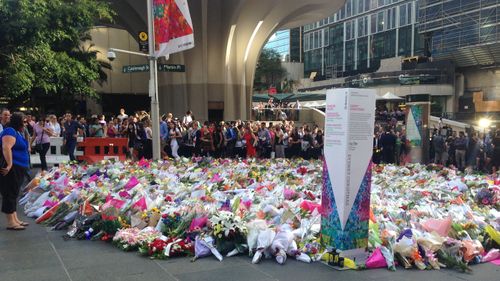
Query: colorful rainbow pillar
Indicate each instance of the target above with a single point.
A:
(349, 127)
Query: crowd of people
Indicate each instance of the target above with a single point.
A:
(476, 151)
(274, 110)
(180, 137)
(473, 151)
(187, 137)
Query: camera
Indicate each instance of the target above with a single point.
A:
(111, 55)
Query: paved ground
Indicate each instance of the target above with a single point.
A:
(40, 254)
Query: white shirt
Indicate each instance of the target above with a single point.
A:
(173, 133)
(122, 117)
(187, 119)
(149, 133)
(56, 128)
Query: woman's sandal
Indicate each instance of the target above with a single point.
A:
(24, 223)
(16, 228)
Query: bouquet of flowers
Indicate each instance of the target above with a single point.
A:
(170, 222)
(163, 247)
(127, 239)
(488, 196)
(229, 231)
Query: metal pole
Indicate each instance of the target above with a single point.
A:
(153, 85)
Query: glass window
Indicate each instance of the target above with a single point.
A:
(402, 15)
(404, 43)
(349, 55)
(361, 6)
(391, 18)
(361, 27)
(380, 21)
(410, 19)
(363, 53)
(348, 34)
(373, 23)
(325, 37)
(348, 8)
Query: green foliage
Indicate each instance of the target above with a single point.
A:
(269, 71)
(40, 47)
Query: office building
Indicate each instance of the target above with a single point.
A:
(359, 35)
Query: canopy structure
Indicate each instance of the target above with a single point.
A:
(290, 97)
(391, 96)
(313, 99)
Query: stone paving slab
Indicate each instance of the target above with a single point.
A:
(40, 254)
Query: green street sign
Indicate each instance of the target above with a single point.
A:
(161, 67)
(172, 68)
(135, 68)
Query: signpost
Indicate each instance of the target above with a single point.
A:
(161, 68)
(143, 42)
(349, 126)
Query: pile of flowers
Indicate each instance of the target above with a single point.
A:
(421, 216)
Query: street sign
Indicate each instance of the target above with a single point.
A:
(135, 68)
(143, 42)
(171, 67)
(161, 67)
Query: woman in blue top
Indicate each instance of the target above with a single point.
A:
(15, 153)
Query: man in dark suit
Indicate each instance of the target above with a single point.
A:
(387, 144)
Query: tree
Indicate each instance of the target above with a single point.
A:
(40, 47)
(269, 71)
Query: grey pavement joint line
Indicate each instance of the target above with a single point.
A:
(263, 272)
(60, 260)
(164, 269)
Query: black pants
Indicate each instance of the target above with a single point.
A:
(43, 152)
(9, 188)
(70, 146)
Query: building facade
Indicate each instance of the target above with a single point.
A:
(449, 49)
(359, 35)
(288, 43)
(466, 32)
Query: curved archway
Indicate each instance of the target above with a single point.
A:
(229, 35)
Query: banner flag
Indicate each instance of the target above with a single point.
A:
(173, 27)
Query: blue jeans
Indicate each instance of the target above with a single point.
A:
(70, 147)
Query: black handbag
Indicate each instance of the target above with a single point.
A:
(3, 162)
(38, 146)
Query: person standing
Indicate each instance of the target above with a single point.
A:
(41, 138)
(131, 133)
(163, 136)
(460, 149)
(264, 141)
(279, 146)
(250, 140)
(12, 173)
(54, 126)
(188, 118)
(4, 118)
(495, 161)
(71, 130)
(218, 137)
(174, 134)
(439, 147)
(147, 140)
(122, 116)
(388, 144)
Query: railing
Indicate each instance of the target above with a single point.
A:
(303, 115)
